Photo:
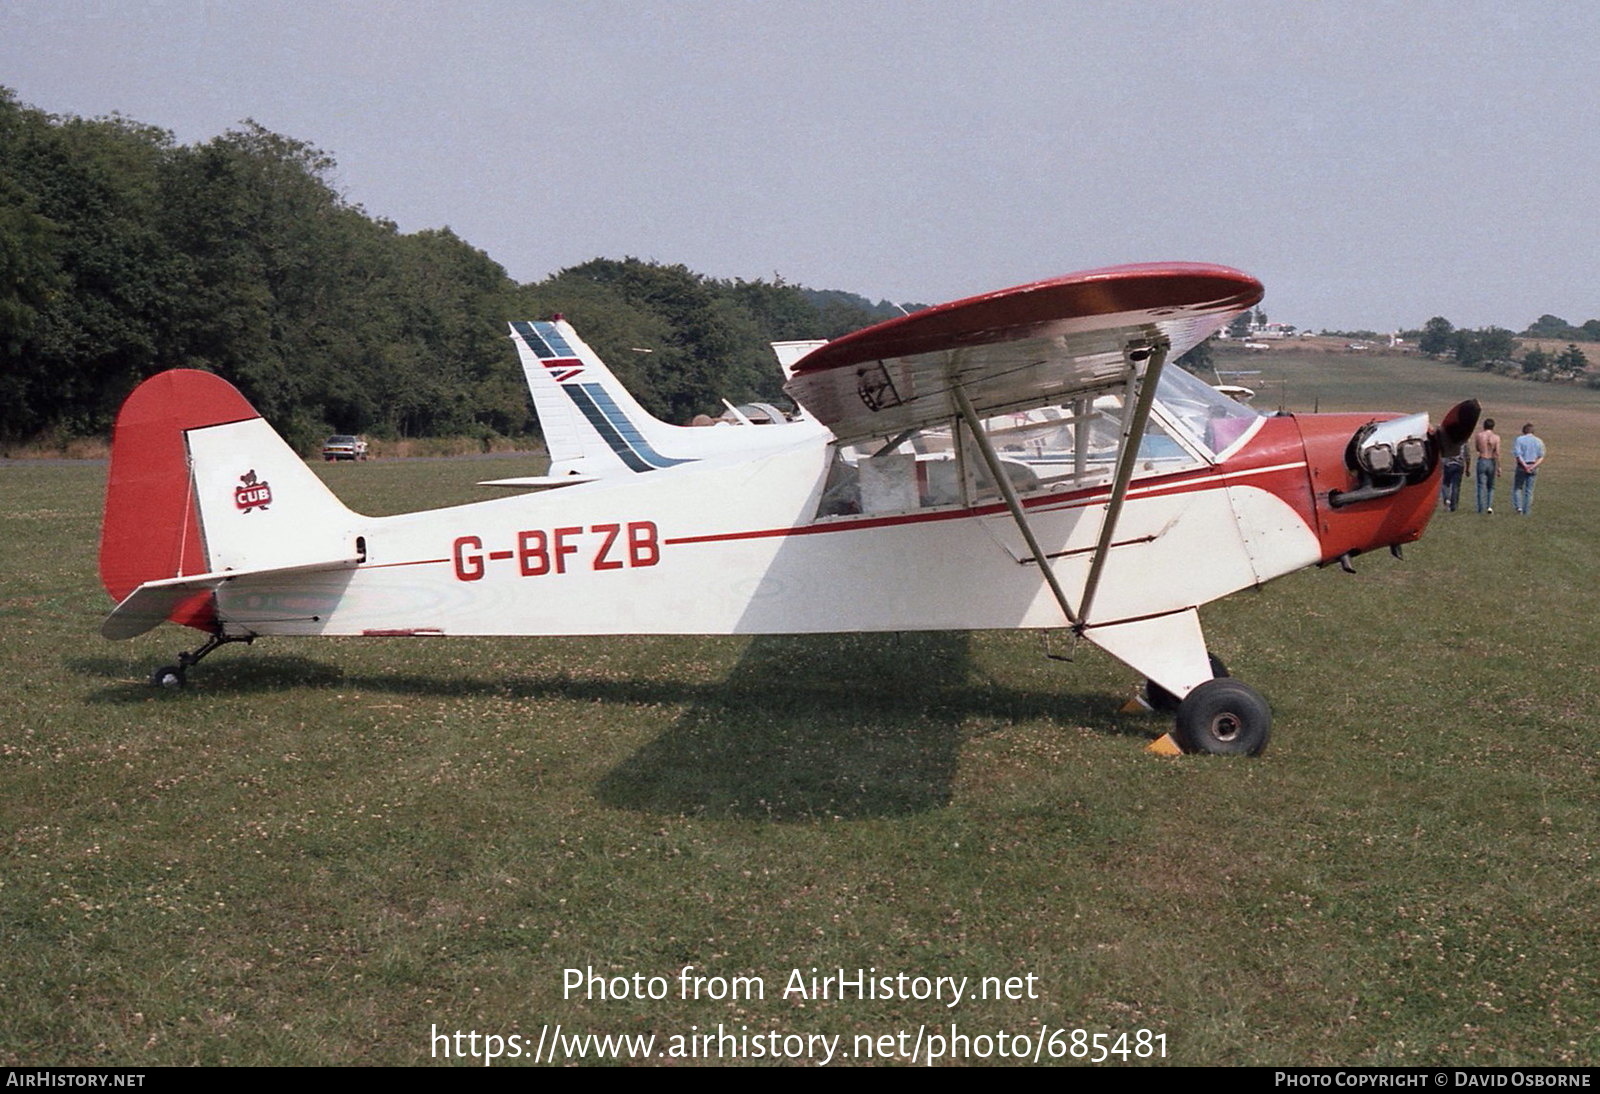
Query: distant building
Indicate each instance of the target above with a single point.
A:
(1264, 332)
(1269, 331)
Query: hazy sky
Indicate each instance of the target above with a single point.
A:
(1374, 164)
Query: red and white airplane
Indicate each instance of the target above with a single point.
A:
(1020, 459)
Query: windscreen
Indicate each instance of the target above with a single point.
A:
(1206, 414)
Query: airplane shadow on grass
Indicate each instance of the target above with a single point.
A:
(803, 727)
(811, 726)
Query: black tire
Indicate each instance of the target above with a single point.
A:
(167, 676)
(1224, 718)
(1164, 701)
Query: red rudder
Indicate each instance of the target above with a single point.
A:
(152, 528)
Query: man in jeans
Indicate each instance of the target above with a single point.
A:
(1455, 466)
(1486, 446)
(1529, 453)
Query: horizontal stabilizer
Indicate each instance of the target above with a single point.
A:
(539, 482)
(152, 603)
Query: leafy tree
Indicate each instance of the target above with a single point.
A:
(30, 278)
(1554, 327)
(1570, 362)
(1199, 360)
(254, 214)
(780, 313)
(1497, 344)
(1550, 326)
(839, 312)
(122, 253)
(682, 341)
(1485, 348)
(698, 338)
(1241, 324)
(89, 318)
(1437, 336)
(1536, 362)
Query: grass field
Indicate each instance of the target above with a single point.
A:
(323, 850)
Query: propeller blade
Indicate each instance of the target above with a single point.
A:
(1459, 422)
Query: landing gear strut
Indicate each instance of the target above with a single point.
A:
(173, 676)
(1163, 701)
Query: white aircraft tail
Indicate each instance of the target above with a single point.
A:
(591, 424)
(594, 428)
(202, 488)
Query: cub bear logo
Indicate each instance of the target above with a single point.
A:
(251, 493)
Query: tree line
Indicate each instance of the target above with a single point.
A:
(1497, 349)
(1554, 328)
(123, 253)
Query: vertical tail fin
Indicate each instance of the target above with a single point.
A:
(200, 483)
(591, 424)
(594, 428)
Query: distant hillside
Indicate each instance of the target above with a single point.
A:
(837, 301)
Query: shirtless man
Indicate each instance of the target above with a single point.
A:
(1486, 447)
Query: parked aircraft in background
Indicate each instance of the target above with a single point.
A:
(594, 428)
(1019, 459)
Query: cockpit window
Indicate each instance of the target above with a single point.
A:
(1206, 414)
(1068, 447)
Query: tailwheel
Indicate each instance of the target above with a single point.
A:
(168, 676)
(1224, 717)
(1163, 701)
(176, 676)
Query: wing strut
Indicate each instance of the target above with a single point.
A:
(1133, 427)
(1002, 481)
(1143, 381)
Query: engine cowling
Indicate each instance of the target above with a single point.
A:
(1375, 479)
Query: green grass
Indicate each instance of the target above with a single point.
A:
(321, 849)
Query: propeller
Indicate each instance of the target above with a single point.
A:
(1457, 426)
(1391, 454)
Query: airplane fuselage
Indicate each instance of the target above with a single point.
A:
(736, 548)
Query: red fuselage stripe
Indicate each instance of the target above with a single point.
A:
(1191, 483)
(1194, 483)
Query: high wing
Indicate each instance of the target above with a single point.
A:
(1032, 345)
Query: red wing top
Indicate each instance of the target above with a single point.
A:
(1031, 345)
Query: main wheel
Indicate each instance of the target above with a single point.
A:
(1224, 717)
(1164, 701)
(167, 676)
